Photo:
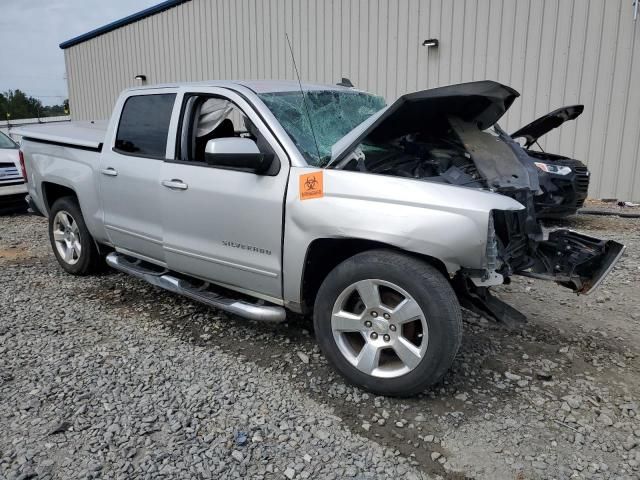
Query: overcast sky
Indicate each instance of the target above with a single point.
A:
(31, 30)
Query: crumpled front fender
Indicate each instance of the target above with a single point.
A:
(442, 221)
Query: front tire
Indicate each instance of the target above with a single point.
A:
(71, 241)
(388, 322)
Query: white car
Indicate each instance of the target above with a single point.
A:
(13, 188)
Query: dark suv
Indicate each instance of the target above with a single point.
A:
(564, 181)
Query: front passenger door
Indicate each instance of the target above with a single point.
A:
(222, 224)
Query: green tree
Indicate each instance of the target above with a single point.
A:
(15, 104)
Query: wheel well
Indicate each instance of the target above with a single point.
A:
(324, 254)
(52, 192)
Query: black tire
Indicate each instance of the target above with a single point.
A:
(430, 290)
(89, 260)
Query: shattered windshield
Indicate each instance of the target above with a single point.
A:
(334, 113)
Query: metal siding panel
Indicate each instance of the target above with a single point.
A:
(287, 72)
(98, 65)
(402, 64)
(233, 55)
(618, 79)
(446, 20)
(318, 52)
(90, 99)
(413, 46)
(209, 27)
(164, 47)
(343, 69)
(301, 17)
(507, 40)
(220, 56)
(493, 39)
(602, 94)
(588, 85)
(362, 39)
(259, 43)
(212, 34)
(124, 36)
(531, 62)
(231, 61)
(281, 42)
(461, 38)
(558, 93)
(239, 24)
(381, 45)
(138, 54)
(575, 65)
(108, 72)
(354, 43)
(628, 182)
(481, 41)
(168, 45)
(392, 51)
(192, 72)
(235, 23)
(319, 13)
(160, 47)
(433, 56)
(545, 72)
(423, 32)
(84, 79)
(75, 87)
(270, 36)
(194, 8)
(108, 77)
(517, 62)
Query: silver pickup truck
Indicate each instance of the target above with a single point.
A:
(261, 197)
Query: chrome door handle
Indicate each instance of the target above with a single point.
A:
(109, 171)
(175, 184)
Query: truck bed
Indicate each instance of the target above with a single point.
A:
(88, 135)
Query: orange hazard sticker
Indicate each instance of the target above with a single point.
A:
(311, 185)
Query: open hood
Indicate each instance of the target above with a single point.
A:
(543, 125)
(481, 103)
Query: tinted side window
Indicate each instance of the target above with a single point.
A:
(144, 125)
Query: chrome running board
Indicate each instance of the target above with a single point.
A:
(163, 278)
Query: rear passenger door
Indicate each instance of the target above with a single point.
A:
(129, 174)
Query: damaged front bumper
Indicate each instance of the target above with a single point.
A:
(574, 260)
(571, 259)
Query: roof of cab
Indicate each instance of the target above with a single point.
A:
(257, 86)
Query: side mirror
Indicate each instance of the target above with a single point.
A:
(237, 154)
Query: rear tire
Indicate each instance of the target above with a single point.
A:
(71, 241)
(388, 322)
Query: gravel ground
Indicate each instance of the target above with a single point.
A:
(108, 377)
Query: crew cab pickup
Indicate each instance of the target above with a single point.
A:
(262, 197)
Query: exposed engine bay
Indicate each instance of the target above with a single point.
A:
(453, 138)
(422, 155)
(454, 152)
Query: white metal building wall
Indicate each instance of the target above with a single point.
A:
(555, 52)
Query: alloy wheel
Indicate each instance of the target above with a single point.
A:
(379, 328)
(66, 236)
